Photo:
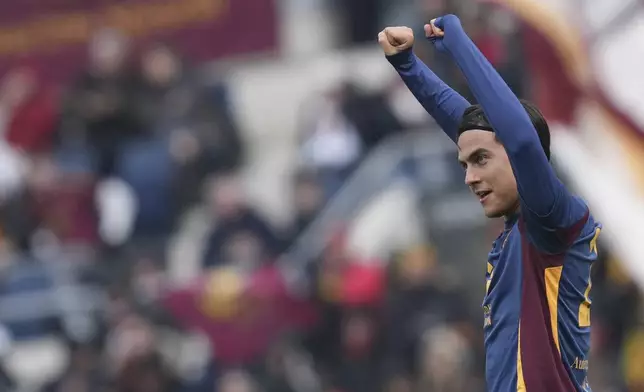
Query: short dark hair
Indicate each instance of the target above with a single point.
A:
(474, 118)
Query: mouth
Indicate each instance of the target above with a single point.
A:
(482, 195)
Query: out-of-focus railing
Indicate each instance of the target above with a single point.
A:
(402, 156)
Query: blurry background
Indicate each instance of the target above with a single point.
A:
(241, 196)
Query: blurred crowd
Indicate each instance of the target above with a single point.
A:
(98, 176)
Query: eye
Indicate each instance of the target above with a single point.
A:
(480, 160)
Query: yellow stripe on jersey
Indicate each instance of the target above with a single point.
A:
(520, 380)
(593, 242)
(552, 279)
(584, 308)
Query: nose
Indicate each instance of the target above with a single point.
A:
(471, 177)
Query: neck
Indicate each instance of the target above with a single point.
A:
(511, 216)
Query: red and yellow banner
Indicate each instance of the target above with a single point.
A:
(53, 35)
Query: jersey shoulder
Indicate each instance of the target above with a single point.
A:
(579, 225)
(586, 240)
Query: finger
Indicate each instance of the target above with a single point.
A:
(429, 32)
(391, 36)
(437, 31)
(383, 40)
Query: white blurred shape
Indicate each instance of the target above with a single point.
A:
(117, 207)
(618, 61)
(611, 197)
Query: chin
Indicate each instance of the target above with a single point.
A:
(493, 212)
(493, 215)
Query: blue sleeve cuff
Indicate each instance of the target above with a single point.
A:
(404, 59)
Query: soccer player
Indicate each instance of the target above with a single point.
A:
(537, 306)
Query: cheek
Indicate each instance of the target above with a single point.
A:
(501, 178)
(508, 186)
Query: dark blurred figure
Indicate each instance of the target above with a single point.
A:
(173, 101)
(276, 378)
(496, 33)
(54, 201)
(146, 374)
(360, 20)
(240, 237)
(358, 368)
(148, 285)
(98, 112)
(308, 200)
(340, 128)
(189, 133)
(420, 300)
(134, 360)
(83, 373)
(345, 342)
(370, 113)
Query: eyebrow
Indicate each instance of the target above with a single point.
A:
(474, 153)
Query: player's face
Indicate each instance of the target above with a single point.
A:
(488, 172)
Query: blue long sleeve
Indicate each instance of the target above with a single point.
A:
(540, 190)
(445, 105)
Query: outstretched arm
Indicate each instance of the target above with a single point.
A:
(445, 105)
(541, 192)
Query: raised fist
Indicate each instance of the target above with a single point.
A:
(433, 31)
(394, 40)
(436, 29)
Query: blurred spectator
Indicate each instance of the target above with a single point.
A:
(496, 33)
(134, 360)
(56, 206)
(240, 237)
(25, 276)
(345, 342)
(202, 133)
(444, 355)
(83, 373)
(357, 371)
(340, 128)
(98, 110)
(331, 143)
(237, 381)
(15, 90)
(31, 111)
(308, 200)
(420, 300)
(370, 113)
